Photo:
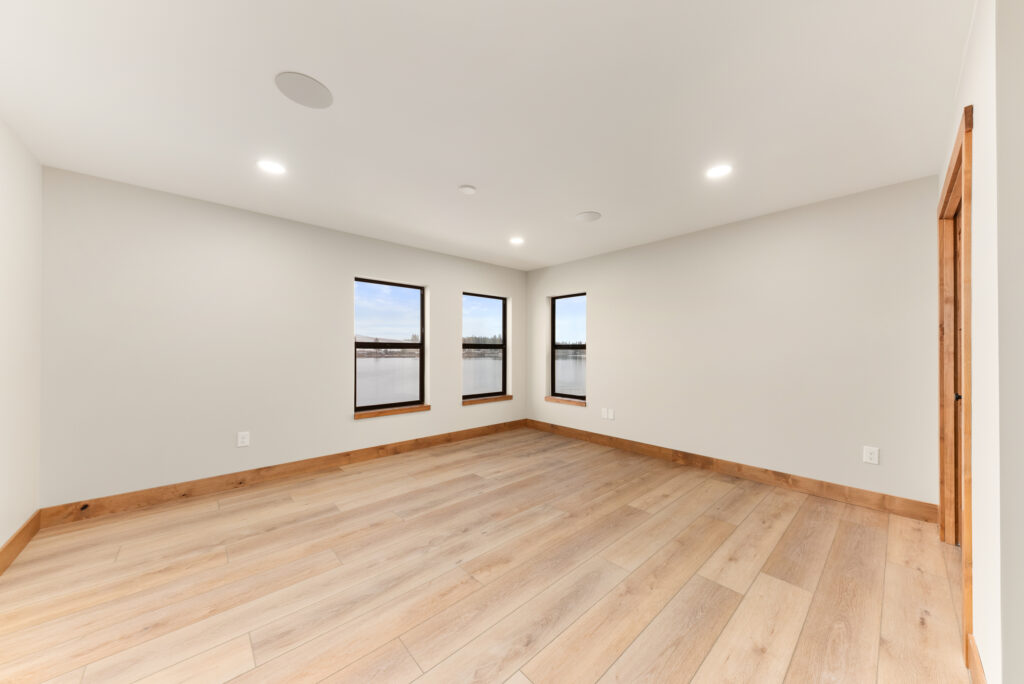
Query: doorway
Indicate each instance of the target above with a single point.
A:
(954, 226)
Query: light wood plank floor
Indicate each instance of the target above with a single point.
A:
(520, 557)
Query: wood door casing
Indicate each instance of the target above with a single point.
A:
(954, 228)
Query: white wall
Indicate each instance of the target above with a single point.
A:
(787, 342)
(978, 88)
(172, 323)
(1010, 77)
(20, 332)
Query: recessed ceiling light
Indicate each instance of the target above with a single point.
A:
(588, 216)
(270, 166)
(718, 171)
(304, 90)
(467, 189)
(516, 240)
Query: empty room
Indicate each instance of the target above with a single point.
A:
(532, 342)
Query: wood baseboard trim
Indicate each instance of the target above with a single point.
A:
(18, 541)
(129, 501)
(887, 503)
(974, 662)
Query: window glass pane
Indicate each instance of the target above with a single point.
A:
(387, 376)
(571, 371)
(481, 319)
(387, 313)
(571, 320)
(481, 371)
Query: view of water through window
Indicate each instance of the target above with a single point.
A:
(387, 314)
(483, 325)
(569, 348)
(481, 371)
(571, 371)
(384, 379)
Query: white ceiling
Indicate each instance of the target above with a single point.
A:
(549, 107)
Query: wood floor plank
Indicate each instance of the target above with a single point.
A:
(219, 664)
(737, 504)
(441, 635)
(839, 642)
(583, 652)
(73, 677)
(227, 528)
(498, 652)
(801, 552)
(920, 641)
(123, 610)
(118, 639)
(661, 496)
(738, 561)
(383, 580)
(290, 610)
(391, 663)
(335, 650)
(915, 544)
(757, 643)
(675, 643)
(488, 566)
(866, 516)
(28, 571)
(631, 551)
(91, 590)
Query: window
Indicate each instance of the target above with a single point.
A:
(569, 346)
(389, 344)
(484, 326)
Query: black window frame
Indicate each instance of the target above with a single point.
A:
(421, 345)
(555, 347)
(503, 347)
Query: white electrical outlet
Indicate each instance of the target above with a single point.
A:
(243, 439)
(604, 413)
(611, 414)
(871, 455)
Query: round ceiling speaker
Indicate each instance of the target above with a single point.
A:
(303, 89)
(588, 216)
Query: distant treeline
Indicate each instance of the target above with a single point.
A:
(363, 353)
(494, 339)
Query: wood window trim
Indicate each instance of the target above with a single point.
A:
(377, 413)
(956, 194)
(563, 400)
(486, 400)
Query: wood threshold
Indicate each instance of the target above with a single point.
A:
(18, 541)
(563, 400)
(919, 510)
(974, 662)
(486, 400)
(359, 415)
(129, 501)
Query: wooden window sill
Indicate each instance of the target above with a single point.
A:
(563, 400)
(359, 415)
(486, 400)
